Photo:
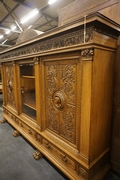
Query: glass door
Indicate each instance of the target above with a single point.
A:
(27, 73)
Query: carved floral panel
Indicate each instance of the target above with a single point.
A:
(9, 71)
(52, 79)
(60, 88)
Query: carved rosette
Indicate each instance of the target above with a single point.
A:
(83, 172)
(61, 99)
(10, 85)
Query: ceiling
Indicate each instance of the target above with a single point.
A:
(11, 12)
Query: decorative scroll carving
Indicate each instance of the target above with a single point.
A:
(21, 125)
(87, 53)
(36, 60)
(52, 85)
(16, 120)
(16, 133)
(13, 63)
(10, 85)
(71, 38)
(37, 137)
(30, 131)
(67, 81)
(83, 172)
(52, 79)
(37, 155)
(68, 124)
(61, 99)
(52, 119)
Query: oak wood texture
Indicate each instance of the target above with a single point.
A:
(79, 9)
(73, 84)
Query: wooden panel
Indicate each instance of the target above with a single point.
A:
(115, 142)
(79, 9)
(61, 89)
(10, 84)
(101, 110)
(85, 108)
(38, 90)
(112, 12)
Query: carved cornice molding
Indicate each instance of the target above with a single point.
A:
(69, 39)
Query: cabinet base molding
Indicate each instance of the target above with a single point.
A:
(115, 166)
(71, 167)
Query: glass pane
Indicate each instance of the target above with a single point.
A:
(28, 90)
(27, 70)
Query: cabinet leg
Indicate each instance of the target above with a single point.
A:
(37, 155)
(16, 133)
(3, 120)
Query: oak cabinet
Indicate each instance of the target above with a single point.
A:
(58, 94)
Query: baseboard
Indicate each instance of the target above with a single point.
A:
(101, 175)
(115, 166)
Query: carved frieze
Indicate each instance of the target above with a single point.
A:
(69, 39)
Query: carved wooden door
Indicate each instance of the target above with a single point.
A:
(9, 80)
(62, 83)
